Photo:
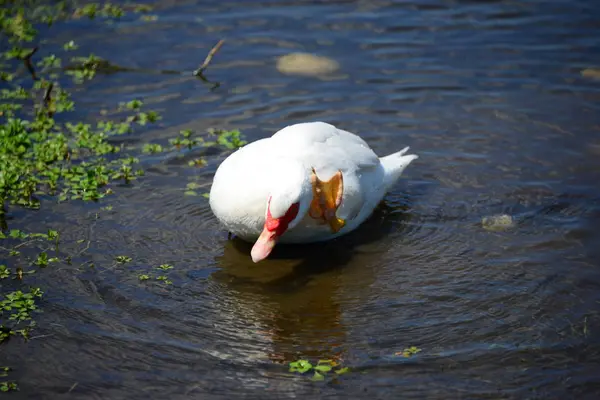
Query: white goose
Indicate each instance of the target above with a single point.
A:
(308, 182)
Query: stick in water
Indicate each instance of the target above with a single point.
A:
(209, 57)
(48, 98)
(29, 65)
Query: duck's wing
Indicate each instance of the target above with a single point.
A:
(328, 150)
(326, 146)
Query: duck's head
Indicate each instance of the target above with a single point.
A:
(288, 202)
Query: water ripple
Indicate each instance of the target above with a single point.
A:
(489, 94)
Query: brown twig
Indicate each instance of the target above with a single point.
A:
(48, 94)
(48, 98)
(209, 57)
(29, 64)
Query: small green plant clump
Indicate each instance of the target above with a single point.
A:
(11, 242)
(229, 139)
(159, 276)
(7, 386)
(320, 370)
(123, 259)
(16, 311)
(409, 351)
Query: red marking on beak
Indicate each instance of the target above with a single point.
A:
(273, 229)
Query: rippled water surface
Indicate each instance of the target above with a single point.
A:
(488, 93)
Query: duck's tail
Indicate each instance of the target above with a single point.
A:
(394, 165)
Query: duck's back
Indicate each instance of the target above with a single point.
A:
(325, 147)
(241, 184)
(328, 149)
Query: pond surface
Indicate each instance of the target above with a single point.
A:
(489, 94)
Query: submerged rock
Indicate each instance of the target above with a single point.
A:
(499, 222)
(306, 64)
(593, 73)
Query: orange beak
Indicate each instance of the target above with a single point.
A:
(263, 245)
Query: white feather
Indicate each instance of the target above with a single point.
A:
(280, 166)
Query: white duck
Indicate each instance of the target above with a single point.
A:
(308, 182)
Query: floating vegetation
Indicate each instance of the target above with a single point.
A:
(319, 371)
(190, 189)
(228, 139)
(197, 162)
(160, 276)
(152, 148)
(16, 310)
(46, 155)
(7, 386)
(498, 222)
(123, 259)
(409, 352)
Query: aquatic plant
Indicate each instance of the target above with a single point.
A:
(16, 310)
(319, 370)
(409, 352)
(47, 155)
(160, 277)
(7, 386)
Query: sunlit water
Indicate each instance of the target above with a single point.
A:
(489, 94)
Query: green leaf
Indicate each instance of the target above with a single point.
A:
(317, 377)
(409, 352)
(323, 368)
(17, 234)
(327, 362)
(342, 370)
(123, 259)
(301, 366)
(70, 46)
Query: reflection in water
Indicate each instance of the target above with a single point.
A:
(294, 295)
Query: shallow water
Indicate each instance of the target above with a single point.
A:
(489, 94)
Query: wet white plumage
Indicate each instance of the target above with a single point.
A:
(282, 164)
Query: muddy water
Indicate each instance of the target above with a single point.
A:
(491, 97)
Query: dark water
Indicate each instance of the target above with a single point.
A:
(488, 93)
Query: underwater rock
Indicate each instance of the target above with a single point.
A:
(593, 73)
(499, 222)
(306, 64)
